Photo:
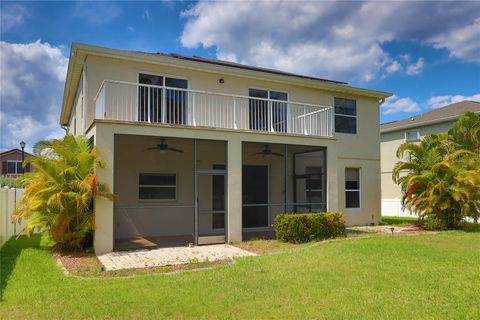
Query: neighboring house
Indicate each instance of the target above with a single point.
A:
(207, 151)
(393, 134)
(11, 163)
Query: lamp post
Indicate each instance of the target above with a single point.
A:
(22, 145)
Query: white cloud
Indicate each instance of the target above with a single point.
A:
(341, 40)
(463, 43)
(11, 15)
(96, 13)
(416, 68)
(406, 57)
(395, 104)
(441, 101)
(146, 15)
(393, 67)
(31, 88)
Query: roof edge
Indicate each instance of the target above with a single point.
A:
(420, 124)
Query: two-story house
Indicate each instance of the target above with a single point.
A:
(206, 151)
(412, 129)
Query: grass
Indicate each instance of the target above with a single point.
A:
(431, 276)
(393, 221)
(262, 246)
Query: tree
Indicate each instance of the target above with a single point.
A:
(440, 176)
(58, 195)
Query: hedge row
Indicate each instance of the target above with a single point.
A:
(305, 227)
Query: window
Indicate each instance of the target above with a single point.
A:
(14, 167)
(157, 186)
(352, 188)
(345, 115)
(150, 99)
(259, 110)
(412, 135)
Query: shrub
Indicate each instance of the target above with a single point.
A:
(305, 227)
(8, 182)
(469, 226)
(433, 223)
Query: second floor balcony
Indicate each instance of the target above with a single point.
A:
(144, 103)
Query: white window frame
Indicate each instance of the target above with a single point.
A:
(345, 115)
(417, 131)
(158, 186)
(359, 189)
(16, 166)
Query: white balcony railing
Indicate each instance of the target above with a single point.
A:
(127, 101)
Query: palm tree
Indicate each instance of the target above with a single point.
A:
(440, 176)
(465, 133)
(58, 195)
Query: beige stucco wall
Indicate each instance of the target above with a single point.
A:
(104, 139)
(390, 142)
(361, 150)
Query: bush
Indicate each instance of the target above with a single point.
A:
(469, 226)
(301, 228)
(8, 182)
(433, 223)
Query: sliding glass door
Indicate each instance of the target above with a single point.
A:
(155, 105)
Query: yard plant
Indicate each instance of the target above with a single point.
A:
(8, 182)
(58, 195)
(305, 227)
(440, 175)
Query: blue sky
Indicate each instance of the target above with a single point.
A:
(426, 53)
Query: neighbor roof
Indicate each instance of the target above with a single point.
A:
(444, 114)
(5, 152)
(80, 51)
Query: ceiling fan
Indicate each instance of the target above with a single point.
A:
(163, 147)
(266, 152)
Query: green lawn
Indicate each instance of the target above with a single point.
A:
(435, 276)
(398, 220)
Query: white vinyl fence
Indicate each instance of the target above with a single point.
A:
(393, 208)
(9, 197)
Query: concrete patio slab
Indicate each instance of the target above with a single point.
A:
(169, 256)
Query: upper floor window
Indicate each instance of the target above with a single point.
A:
(345, 115)
(151, 100)
(412, 135)
(259, 114)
